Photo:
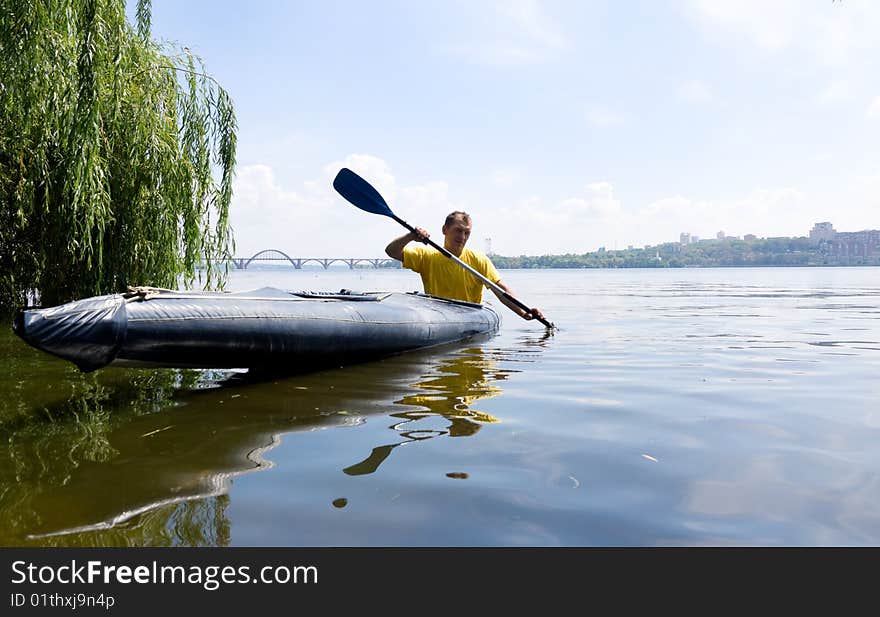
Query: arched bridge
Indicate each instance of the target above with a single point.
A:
(298, 262)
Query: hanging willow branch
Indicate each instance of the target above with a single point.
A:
(116, 156)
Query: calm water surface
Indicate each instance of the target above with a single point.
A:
(673, 408)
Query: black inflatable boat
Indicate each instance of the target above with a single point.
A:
(265, 328)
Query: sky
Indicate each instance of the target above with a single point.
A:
(561, 127)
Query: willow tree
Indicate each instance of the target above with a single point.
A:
(116, 155)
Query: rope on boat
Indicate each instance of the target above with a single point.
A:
(144, 293)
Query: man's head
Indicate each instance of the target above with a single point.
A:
(456, 231)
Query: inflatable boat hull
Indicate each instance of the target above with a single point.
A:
(266, 328)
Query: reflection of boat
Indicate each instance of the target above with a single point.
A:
(266, 328)
(125, 462)
(141, 458)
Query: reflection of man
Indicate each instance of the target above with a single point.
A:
(443, 277)
(461, 380)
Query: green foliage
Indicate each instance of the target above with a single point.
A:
(116, 155)
(708, 253)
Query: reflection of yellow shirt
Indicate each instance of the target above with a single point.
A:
(443, 277)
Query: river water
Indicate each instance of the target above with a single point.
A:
(672, 408)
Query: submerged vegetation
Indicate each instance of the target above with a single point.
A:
(116, 155)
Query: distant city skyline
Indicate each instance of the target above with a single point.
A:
(821, 231)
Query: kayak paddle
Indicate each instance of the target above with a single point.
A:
(362, 195)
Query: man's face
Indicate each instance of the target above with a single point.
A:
(456, 235)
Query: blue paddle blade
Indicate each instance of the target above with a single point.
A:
(360, 193)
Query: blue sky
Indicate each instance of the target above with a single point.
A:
(560, 126)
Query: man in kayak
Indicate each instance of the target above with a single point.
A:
(443, 277)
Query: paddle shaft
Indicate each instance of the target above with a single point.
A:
(489, 283)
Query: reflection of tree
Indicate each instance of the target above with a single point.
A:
(200, 522)
(48, 443)
(447, 392)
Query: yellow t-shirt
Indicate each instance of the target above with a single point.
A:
(443, 277)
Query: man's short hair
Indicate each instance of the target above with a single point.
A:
(450, 219)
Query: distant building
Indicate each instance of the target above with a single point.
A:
(695, 239)
(601, 249)
(822, 232)
(720, 235)
(750, 237)
(855, 246)
(684, 238)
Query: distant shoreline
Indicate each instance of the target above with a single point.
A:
(722, 253)
(264, 268)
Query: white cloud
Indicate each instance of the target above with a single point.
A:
(861, 194)
(533, 24)
(874, 108)
(597, 218)
(427, 205)
(764, 212)
(503, 178)
(836, 91)
(602, 117)
(769, 25)
(512, 33)
(575, 224)
(315, 221)
(373, 169)
(261, 208)
(831, 34)
(694, 91)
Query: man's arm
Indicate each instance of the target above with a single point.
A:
(533, 314)
(395, 247)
